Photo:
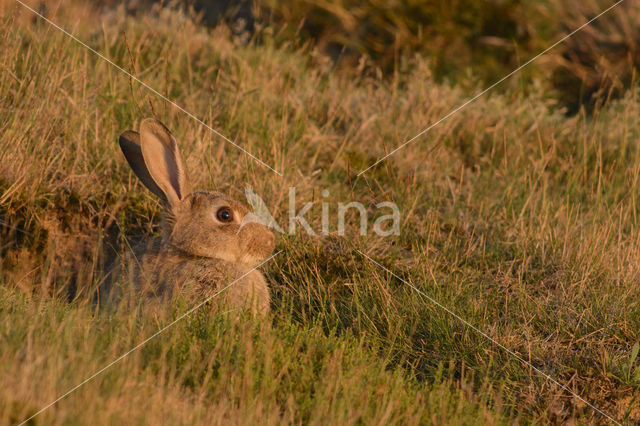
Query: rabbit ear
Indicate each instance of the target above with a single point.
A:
(130, 145)
(164, 161)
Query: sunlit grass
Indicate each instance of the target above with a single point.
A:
(522, 221)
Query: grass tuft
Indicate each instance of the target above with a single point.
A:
(523, 221)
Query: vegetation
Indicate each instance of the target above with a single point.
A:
(486, 38)
(517, 217)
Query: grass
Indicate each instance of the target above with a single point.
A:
(523, 221)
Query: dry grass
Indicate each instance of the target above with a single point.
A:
(523, 221)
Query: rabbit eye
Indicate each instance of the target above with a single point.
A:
(224, 214)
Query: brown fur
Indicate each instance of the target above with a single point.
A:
(199, 255)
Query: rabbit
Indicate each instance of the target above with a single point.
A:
(208, 239)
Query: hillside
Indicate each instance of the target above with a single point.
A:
(520, 219)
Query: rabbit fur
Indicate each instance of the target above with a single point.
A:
(206, 243)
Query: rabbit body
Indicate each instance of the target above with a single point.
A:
(208, 248)
(160, 274)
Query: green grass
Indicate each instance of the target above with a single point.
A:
(523, 221)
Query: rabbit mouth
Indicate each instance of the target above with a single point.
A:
(252, 249)
(252, 260)
(258, 249)
(249, 259)
(256, 241)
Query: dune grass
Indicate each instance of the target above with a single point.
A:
(522, 220)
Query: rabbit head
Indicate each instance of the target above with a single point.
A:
(198, 223)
